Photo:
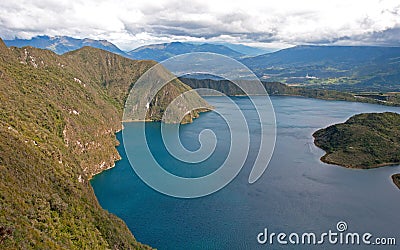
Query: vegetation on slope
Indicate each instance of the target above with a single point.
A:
(58, 117)
(363, 141)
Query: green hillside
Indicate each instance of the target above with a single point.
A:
(363, 141)
(58, 117)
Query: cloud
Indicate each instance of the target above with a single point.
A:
(268, 23)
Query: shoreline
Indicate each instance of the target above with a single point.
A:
(322, 158)
(385, 164)
(358, 100)
(361, 141)
(122, 128)
(395, 177)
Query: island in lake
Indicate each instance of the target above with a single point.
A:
(364, 141)
(396, 179)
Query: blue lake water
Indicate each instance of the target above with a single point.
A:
(297, 193)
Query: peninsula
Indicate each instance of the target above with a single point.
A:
(364, 141)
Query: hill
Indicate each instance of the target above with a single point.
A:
(63, 44)
(160, 52)
(57, 124)
(246, 50)
(351, 68)
(363, 141)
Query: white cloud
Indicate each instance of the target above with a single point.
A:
(267, 23)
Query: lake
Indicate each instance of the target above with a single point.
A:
(297, 192)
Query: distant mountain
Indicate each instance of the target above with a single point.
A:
(160, 52)
(247, 50)
(63, 44)
(305, 55)
(337, 67)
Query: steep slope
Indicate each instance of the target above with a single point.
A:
(340, 67)
(63, 44)
(117, 75)
(58, 117)
(160, 52)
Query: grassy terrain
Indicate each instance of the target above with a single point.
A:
(58, 117)
(363, 141)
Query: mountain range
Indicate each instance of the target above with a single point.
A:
(352, 68)
(248, 51)
(63, 44)
(160, 52)
(343, 68)
(156, 52)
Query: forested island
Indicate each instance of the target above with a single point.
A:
(364, 141)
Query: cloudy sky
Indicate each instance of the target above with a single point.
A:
(274, 24)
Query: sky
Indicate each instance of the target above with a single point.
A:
(269, 24)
